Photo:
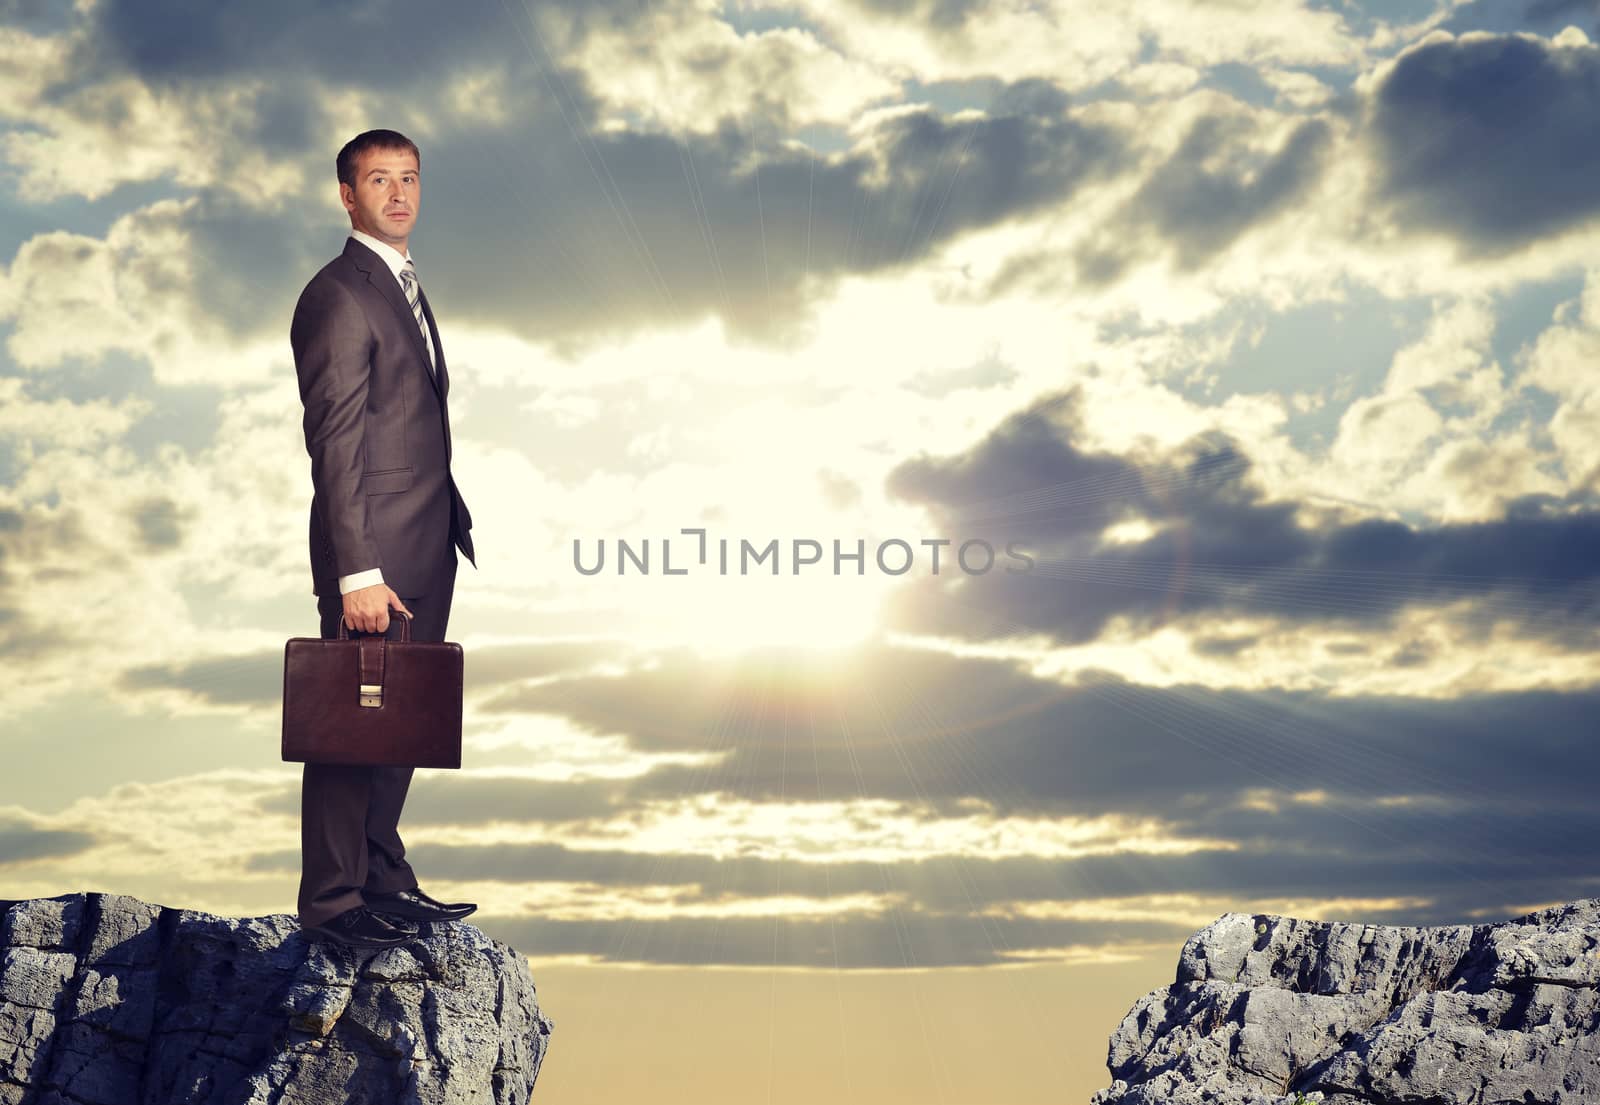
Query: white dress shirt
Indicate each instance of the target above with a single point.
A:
(396, 261)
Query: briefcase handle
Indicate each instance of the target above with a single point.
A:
(405, 626)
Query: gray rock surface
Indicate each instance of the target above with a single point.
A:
(108, 1000)
(1272, 1010)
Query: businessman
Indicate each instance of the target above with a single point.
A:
(386, 520)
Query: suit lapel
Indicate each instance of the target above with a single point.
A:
(380, 277)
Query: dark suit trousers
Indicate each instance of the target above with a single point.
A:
(349, 816)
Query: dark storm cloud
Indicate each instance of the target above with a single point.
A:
(551, 225)
(22, 840)
(253, 679)
(934, 730)
(1286, 794)
(1495, 140)
(285, 248)
(938, 731)
(1410, 797)
(157, 522)
(48, 545)
(1222, 646)
(1220, 546)
(1029, 463)
(558, 237)
(55, 541)
(1301, 851)
(1464, 862)
(399, 44)
(850, 942)
(36, 16)
(1556, 14)
(914, 936)
(1545, 17)
(555, 237)
(1201, 210)
(1207, 194)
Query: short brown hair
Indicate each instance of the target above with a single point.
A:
(345, 164)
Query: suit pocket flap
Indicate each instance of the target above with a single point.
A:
(386, 481)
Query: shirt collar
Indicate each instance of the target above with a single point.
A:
(391, 256)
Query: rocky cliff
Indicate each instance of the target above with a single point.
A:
(108, 1000)
(1275, 1010)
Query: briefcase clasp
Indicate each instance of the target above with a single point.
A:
(369, 673)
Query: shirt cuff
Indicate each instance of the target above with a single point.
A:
(360, 579)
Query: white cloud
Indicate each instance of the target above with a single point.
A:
(1078, 43)
(1160, 80)
(1424, 443)
(31, 424)
(1446, 655)
(61, 293)
(71, 296)
(1298, 90)
(87, 137)
(1562, 362)
(684, 69)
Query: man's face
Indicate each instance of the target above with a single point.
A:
(384, 201)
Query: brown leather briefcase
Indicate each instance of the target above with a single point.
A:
(370, 700)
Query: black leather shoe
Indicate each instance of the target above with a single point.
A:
(418, 906)
(403, 925)
(357, 927)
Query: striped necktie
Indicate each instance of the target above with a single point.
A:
(408, 281)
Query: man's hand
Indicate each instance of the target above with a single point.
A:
(367, 608)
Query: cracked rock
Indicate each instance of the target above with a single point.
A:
(1273, 1011)
(108, 1000)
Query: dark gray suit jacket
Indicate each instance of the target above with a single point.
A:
(377, 427)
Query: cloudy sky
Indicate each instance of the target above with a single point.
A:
(1267, 330)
